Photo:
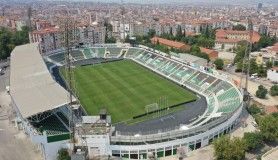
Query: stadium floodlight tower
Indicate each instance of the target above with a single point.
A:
(246, 63)
(29, 16)
(122, 21)
(68, 31)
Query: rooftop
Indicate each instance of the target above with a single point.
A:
(221, 35)
(167, 42)
(32, 87)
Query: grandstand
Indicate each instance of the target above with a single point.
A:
(161, 136)
(100, 52)
(40, 102)
(88, 53)
(113, 52)
(185, 75)
(77, 55)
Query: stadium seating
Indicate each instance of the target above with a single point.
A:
(143, 57)
(228, 101)
(207, 82)
(133, 52)
(88, 53)
(63, 117)
(114, 52)
(211, 105)
(157, 62)
(100, 52)
(219, 85)
(77, 55)
(49, 64)
(182, 74)
(168, 67)
(51, 125)
(199, 79)
(59, 57)
(227, 96)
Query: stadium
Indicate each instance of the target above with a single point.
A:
(133, 102)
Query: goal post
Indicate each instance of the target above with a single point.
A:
(151, 107)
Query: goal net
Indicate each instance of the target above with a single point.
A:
(151, 107)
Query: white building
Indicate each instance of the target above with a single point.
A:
(91, 34)
(272, 74)
(49, 39)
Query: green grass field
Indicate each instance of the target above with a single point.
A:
(124, 88)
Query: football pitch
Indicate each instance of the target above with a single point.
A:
(124, 88)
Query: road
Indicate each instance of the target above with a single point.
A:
(253, 87)
(14, 145)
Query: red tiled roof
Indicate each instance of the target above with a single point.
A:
(211, 53)
(168, 42)
(225, 40)
(46, 30)
(274, 48)
(206, 50)
(222, 34)
(255, 37)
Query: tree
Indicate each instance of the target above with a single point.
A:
(127, 39)
(274, 90)
(110, 40)
(179, 34)
(240, 66)
(268, 126)
(261, 71)
(253, 140)
(240, 52)
(261, 92)
(10, 39)
(205, 42)
(229, 149)
(171, 31)
(239, 27)
(196, 51)
(253, 66)
(266, 41)
(219, 63)
(195, 48)
(108, 36)
(269, 64)
(151, 33)
(63, 154)
(222, 46)
(254, 109)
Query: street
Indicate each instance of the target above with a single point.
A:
(14, 144)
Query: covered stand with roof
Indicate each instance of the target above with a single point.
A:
(41, 104)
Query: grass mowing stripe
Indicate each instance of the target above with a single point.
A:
(125, 88)
(128, 95)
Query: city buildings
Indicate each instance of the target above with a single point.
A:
(228, 39)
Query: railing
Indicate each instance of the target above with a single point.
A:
(169, 134)
(174, 132)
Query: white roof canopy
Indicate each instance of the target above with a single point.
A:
(32, 87)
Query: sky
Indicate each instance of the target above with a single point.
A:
(189, 1)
